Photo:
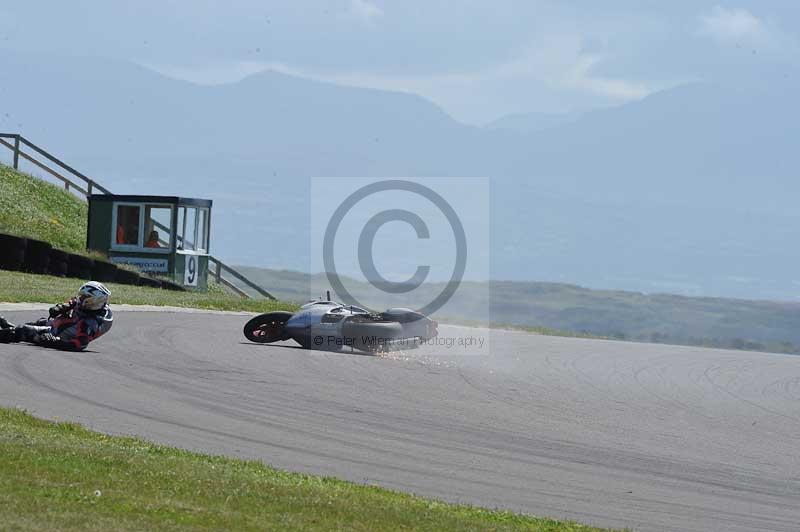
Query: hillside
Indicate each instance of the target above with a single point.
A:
(565, 308)
(34, 208)
(532, 122)
(671, 193)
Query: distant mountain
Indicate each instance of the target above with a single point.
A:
(691, 190)
(532, 122)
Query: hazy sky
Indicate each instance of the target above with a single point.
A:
(478, 60)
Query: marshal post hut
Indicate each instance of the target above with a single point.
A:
(165, 236)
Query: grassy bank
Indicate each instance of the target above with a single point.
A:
(16, 287)
(36, 209)
(59, 476)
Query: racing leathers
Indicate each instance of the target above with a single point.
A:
(69, 327)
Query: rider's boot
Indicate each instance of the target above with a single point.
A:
(22, 333)
(8, 336)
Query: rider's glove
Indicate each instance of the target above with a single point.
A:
(61, 309)
(45, 338)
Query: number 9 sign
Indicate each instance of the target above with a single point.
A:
(190, 271)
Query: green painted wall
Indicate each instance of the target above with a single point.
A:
(99, 237)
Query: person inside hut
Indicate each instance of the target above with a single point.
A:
(152, 240)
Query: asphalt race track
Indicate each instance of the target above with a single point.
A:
(615, 434)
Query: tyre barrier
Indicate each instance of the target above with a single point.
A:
(169, 285)
(37, 256)
(124, 276)
(57, 263)
(12, 252)
(150, 282)
(103, 271)
(79, 266)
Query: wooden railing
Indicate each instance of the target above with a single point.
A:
(18, 144)
(22, 148)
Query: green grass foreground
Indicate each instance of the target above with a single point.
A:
(17, 287)
(60, 476)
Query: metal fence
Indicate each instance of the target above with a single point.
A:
(22, 148)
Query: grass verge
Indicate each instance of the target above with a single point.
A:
(60, 476)
(17, 287)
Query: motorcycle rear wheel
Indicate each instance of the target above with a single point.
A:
(267, 328)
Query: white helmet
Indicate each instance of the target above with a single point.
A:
(93, 296)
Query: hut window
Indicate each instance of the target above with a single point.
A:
(202, 229)
(193, 229)
(189, 228)
(157, 221)
(142, 226)
(127, 228)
